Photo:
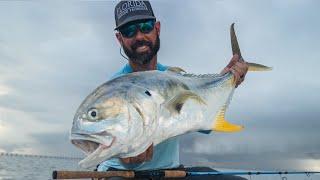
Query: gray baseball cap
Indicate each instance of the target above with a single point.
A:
(132, 10)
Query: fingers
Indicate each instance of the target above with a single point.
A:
(145, 156)
(236, 76)
(125, 160)
(138, 159)
(225, 70)
(238, 67)
(239, 70)
(149, 154)
(234, 59)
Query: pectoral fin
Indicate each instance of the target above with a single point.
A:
(222, 125)
(175, 104)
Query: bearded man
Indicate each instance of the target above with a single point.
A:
(138, 33)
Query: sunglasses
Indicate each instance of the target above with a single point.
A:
(131, 30)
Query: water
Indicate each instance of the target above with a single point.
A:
(275, 176)
(20, 167)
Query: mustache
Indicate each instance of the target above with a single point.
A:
(141, 43)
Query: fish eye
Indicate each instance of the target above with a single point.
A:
(93, 114)
(147, 93)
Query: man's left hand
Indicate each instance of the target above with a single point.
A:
(238, 68)
(143, 157)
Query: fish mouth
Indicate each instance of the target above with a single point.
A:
(90, 144)
(95, 150)
(86, 146)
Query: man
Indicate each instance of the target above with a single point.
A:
(138, 33)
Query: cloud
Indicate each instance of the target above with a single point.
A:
(17, 126)
(53, 55)
(56, 144)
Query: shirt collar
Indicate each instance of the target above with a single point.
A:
(128, 69)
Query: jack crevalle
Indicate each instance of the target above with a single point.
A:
(125, 115)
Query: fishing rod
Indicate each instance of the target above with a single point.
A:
(164, 174)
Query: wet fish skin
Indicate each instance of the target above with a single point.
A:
(124, 116)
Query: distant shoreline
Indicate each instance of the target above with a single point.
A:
(39, 156)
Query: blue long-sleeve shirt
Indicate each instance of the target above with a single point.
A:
(165, 154)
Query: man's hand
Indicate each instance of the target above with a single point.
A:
(145, 156)
(238, 68)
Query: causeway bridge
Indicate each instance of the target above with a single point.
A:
(39, 156)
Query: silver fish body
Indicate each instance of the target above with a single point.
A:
(125, 115)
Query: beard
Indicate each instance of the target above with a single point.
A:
(143, 57)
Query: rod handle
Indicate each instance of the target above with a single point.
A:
(90, 174)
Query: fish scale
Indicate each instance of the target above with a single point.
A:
(124, 116)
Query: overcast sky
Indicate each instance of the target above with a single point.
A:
(52, 55)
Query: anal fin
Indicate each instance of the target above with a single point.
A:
(222, 125)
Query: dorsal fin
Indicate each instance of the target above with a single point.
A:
(201, 75)
(176, 70)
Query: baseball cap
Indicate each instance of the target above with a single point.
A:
(132, 10)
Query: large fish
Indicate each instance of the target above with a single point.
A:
(125, 115)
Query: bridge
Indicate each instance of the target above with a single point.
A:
(39, 156)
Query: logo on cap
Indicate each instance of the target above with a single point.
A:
(130, 6)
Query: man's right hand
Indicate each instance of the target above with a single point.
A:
(238, 67)
(145, 156)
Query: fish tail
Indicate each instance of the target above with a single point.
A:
(236, 50)
(258, 67)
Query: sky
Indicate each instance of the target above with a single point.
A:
(53, 54)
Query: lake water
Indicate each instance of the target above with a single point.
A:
(20, 167)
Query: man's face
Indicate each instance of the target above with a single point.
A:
(143, 45)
